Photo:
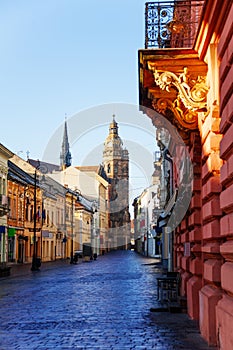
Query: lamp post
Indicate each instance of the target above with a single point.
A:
(35, 265)
(72, 231)
(74, 193)
(93, 227)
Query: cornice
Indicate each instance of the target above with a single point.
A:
(5, 151)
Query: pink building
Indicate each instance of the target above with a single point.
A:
(185, 74)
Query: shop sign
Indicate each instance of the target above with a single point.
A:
(11, 232)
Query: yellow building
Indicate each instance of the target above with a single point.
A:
(92, 187)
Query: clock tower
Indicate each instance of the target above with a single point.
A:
(116, 165)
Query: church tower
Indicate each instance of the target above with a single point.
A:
(115, 158)
(116, 166)
(65, 155)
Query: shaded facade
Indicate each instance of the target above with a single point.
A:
(146, 207)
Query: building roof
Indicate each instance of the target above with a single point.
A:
(17, 174)
(98, 169)
(87, 168)
(65, 155)
(5, 151)
(43, 167)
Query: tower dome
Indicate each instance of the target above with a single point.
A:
(115, 157)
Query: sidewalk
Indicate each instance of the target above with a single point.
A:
(25, 268)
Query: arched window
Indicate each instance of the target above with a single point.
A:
(109, 168)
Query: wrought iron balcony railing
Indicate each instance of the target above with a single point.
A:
(172, 24)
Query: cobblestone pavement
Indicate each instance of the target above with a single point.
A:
(103, 304)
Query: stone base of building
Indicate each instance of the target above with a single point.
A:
(224, 315)
(193, 287)
(209, 298)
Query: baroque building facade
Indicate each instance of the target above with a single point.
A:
(187, 79)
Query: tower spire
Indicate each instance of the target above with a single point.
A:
(113, 127)
(65, 155)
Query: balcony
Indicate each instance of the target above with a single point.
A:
(172, 24)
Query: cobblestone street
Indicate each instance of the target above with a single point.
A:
(103, 304)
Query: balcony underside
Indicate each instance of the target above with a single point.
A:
(172, 82)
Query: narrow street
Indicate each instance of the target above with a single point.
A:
(103, 304)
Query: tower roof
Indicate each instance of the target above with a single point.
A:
(113, 145)
(113, 127)
(65, 156)
(113, 139)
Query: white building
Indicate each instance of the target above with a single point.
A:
(145, 221)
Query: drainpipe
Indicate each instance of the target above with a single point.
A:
(169, 159)
(168, 230)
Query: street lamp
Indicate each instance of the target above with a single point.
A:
(75, 193)
(35, 262)
(72, 232)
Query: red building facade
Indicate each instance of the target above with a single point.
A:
(191, 86)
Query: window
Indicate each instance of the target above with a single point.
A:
(62, 217)
(20, 210)
(4, 186)
(13, 208)
(58, 217)
(31, 213)
(47, 218)
(26, 210)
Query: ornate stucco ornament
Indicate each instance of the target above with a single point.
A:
(191, 91)
(185, 120)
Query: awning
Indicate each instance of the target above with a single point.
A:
(164, 216)
(162, 222)
(2, 229)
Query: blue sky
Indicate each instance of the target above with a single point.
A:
(60, 57)
(63, 56)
